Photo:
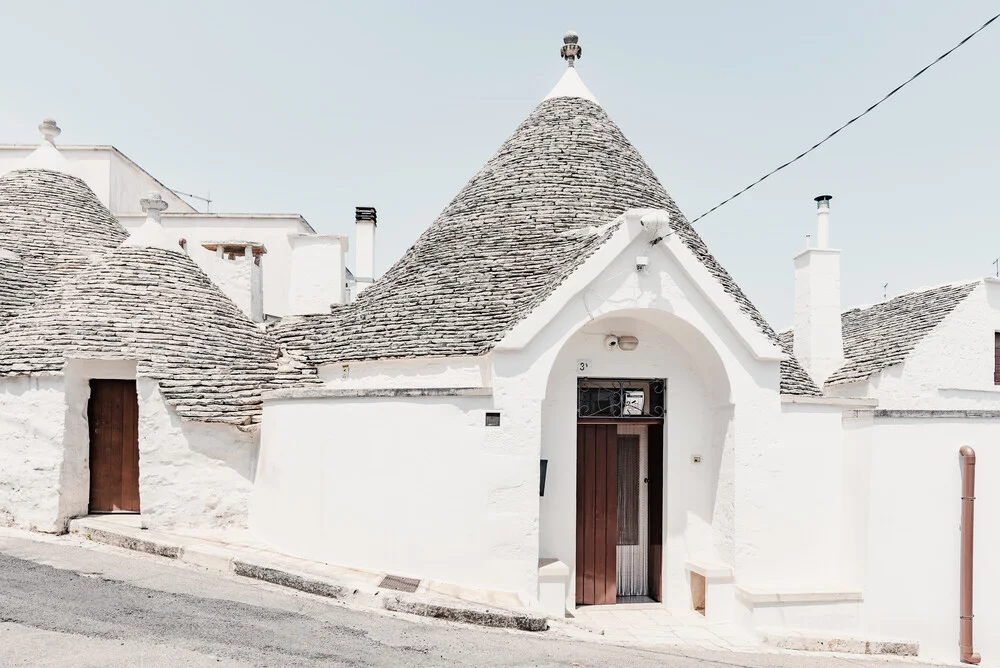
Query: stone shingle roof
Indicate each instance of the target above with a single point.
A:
(51, 226)
(879, 336)
(503, 245)
(155, 306)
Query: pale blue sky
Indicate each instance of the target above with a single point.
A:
(317, 107)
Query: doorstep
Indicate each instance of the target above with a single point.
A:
(238, 551)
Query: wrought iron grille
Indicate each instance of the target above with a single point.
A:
(620, 398)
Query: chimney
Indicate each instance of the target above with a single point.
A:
(235, 266)
(819, 340)
(364, 257)
(318, 279)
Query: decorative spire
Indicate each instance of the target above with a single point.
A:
(50, 130)
(571, 50)
(152, 206)
(151, 233)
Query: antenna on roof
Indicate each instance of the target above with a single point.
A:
(885, 291)
(996, 264)
(207, 199)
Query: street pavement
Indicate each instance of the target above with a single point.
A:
(64, 602)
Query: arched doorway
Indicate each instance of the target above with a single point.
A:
(636, 448)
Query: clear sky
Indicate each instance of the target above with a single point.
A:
(317, 107)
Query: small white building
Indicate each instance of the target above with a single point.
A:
(557, 393)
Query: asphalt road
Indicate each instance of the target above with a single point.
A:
(63, 603)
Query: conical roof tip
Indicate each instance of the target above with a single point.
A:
(152, 234)
(47, 156)
(570, 84)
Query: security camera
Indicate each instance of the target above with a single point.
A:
(641, 263)
(611, 342)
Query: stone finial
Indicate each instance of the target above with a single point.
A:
(571, 49)
(50, 130)
(152, 206)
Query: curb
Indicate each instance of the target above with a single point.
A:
(844, 645)
(490, 618)
(134, 544)
(218, 558)
(286, 579)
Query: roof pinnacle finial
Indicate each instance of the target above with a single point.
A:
(571, 49)
(50, 130)
(152, 206)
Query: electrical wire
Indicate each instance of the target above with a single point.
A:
(842, 127)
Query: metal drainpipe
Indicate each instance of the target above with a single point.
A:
(968, 503)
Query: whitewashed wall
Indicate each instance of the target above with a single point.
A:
(417, 373)
(913, 537)
(386, 484)
(32, 423)
(190, 474)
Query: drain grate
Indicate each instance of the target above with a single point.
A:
(399, 583)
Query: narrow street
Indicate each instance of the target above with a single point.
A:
(65, 604)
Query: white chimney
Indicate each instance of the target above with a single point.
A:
(364, 257)
(318, 277)
(235, 267)
(819, 340)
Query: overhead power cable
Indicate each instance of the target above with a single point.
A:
(842, 127)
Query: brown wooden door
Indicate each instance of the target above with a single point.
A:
(113, 413)
(596, 514)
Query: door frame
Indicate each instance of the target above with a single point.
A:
(656, 437)
(113, 446)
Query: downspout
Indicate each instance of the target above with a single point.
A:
(968, 503)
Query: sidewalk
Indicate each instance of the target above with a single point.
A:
(239, 552)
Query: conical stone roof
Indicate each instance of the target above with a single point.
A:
(155, 306)
(51, 226)
(506, 241)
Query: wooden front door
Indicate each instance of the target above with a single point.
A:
(113, 413)
(596, 514)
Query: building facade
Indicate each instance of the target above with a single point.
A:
(557, 394)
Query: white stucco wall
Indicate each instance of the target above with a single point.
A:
(417, 373)
(32, 424)
(913, 534)
(191, 474)
(408, 486)
(809, 546)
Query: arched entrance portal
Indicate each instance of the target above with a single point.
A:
(619, 489)
(638, 446)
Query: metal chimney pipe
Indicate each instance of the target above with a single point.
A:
(968, 506)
